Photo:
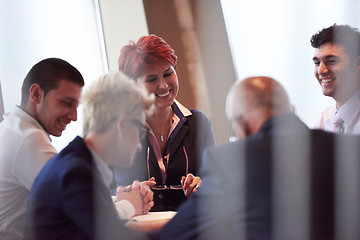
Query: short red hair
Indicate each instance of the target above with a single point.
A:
(148, 50)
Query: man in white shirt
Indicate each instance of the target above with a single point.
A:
(49, 101)
(337, 65)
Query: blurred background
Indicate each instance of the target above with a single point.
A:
(216, 41)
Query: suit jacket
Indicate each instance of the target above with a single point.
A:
(193, 133)
(276, 184)
(69, 200)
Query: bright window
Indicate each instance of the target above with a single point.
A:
(273, 38)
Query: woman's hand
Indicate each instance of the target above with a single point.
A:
(190, 184)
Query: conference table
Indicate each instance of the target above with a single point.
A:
(151, 221)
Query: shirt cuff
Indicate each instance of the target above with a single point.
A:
(124, 208)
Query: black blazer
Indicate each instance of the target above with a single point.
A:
(252, 185)
(193, 133)
(69, 200)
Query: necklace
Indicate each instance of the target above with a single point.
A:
(161, 135)
(162, 132)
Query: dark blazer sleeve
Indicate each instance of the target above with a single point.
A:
(75, 191)
(204, 135)
(87, 203)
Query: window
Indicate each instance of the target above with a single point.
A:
(33, 30)
(273, 38)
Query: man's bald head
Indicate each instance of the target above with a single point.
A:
(256, 99)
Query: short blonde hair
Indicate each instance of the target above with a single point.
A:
(110, 97)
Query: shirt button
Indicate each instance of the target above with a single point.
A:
(161, 196)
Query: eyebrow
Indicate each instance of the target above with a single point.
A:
(167, 70)
(327, 57)
(70, 99)
(152, 75)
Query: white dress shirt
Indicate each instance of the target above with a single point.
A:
(24, 149)
(349, 113)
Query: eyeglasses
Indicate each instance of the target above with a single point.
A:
(164, 187)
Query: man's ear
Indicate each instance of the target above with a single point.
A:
(35, 93)
(120, 126)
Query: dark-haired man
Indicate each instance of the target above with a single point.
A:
(337, 65)
(49, 101)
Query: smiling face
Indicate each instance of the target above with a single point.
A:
(336, 72)
(58, 107)
(161, 80)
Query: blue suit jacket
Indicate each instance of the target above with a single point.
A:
(237, 197)
(195, 134)
(69, 200)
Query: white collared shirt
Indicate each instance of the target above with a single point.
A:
(349, 113)
(124, 208)
(25, 147)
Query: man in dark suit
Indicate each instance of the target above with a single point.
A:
(70, 197)
(278, 182)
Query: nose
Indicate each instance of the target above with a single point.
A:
(322, 69)
(163, 83)
(73, 115)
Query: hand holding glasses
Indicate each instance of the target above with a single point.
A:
(191, 183)
(164, 187)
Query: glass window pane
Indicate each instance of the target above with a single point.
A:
(31, 30)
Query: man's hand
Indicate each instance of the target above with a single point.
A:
(147, 194)
(139, 194)
(132, 193)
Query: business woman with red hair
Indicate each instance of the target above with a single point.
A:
(176, 135)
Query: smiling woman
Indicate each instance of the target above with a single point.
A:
(176, 135)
